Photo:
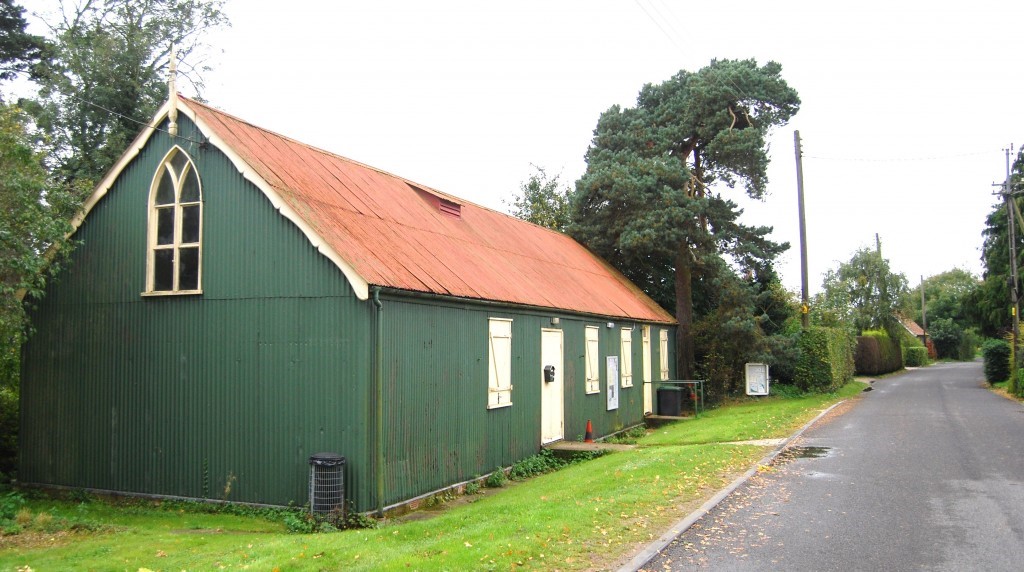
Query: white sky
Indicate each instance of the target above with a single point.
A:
(907, 106)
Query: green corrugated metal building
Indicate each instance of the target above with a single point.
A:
(239, 301)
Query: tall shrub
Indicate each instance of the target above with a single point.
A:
(826, 359)
(915, 356)
(996, 354)
(946, 335)
(968, 345)
(877, 353)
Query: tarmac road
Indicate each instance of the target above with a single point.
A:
(924, 472)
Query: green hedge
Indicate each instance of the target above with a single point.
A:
(915, 356)
(826, 359)
(968, 346)
(996, 354)
(877, 353)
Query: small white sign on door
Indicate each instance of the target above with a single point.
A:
(613, 382)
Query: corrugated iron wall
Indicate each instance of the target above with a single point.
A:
(184, 395)
(438, 430)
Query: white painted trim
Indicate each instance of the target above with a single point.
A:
(359, 284)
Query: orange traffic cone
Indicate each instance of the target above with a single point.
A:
(589, 436)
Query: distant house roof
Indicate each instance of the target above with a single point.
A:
(384, 230)
(912, 326)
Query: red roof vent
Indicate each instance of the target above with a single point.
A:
(450, 208)
(446, 206)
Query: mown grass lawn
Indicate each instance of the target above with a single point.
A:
(588, 515)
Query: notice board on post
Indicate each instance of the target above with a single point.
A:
(757, 379)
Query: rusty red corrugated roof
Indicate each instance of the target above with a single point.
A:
(394, 234)
(913, 327)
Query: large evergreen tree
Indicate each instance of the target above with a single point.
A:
(18, 49)
(653, 198)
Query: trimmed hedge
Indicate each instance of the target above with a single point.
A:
(826, 359)
(915, 356)
(877, 353)
(996, 354)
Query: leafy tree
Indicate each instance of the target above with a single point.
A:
(989, 305)
(18, 49)
(945, 296)
(727, 336)
(946, 335)
(32, 233)
(862, 294)
(542, 201)
(652, 200)
(107, 74)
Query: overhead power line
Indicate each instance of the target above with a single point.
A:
(898, 159)
(672, 38)
(132, 119)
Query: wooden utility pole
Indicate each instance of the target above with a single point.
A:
(924, 313)
(804, 300)
(1014, 295)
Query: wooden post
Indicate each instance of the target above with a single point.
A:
(804, 300)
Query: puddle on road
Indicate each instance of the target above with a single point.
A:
(803, 453)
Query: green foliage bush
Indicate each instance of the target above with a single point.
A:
(786, 391)
(826, 359)
(8, 430)
(497, 479)
(915, 356)
(946, 335)
(968, 345)
(877, 353)
(784, 353)
(996, 354)
(538, 464)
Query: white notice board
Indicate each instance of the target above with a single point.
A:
(613, 382)
(757, 379)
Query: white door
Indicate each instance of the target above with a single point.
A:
(552, 419)
(648, 386)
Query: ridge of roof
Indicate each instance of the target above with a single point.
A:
(440, 193)
(323, 151)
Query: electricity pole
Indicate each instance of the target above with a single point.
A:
(1014, 294)
(804, 301)
(924, 314)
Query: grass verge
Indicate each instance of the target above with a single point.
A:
(583, 516)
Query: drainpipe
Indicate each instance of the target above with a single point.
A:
(378, 383)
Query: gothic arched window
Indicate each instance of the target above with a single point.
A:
(174, 264)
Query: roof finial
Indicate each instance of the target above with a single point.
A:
(172, 95)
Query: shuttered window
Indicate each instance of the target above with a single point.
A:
(499, 377)
(663, 354)
(174, 261)
(592, 355)
(626, 361)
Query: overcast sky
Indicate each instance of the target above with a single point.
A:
(907, 106)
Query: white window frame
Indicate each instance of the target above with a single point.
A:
(663, 352)
(177, 207)
(626, 357)
(592, 355)
(499, 363)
